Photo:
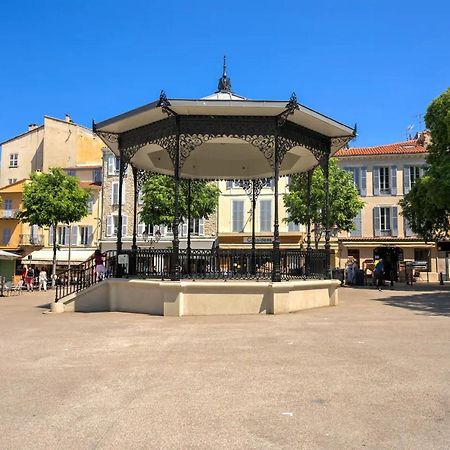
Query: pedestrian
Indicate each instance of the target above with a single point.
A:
(350, 270)
(43, 279)
(29, 279)
(99, 266)
(378, 273)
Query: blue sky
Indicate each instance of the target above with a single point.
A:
(375, 62)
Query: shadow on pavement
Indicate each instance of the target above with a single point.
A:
(433, 304)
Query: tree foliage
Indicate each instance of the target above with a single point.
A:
(53, 198)
(344, 200)
(427, 205)
(159, 199)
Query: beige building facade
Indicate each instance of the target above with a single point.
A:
(203, 231)
(383, 175)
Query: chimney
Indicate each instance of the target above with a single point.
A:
(68, 119)
(32, 126)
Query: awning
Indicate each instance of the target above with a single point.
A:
(7, 255)
(62, 257)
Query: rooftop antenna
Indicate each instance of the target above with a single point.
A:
(408, 132)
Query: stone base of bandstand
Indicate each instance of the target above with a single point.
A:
(204, 297)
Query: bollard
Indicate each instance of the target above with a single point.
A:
(441, 278)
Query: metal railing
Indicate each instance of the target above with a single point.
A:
(31, 239)
(215, 264)
(9, 213)
(81, 276)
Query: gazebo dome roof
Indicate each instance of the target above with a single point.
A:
(224, 135)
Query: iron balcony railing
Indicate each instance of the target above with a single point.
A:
(31, 239)
(9, 213)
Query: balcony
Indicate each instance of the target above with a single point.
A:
(31, 239)
(8, 213)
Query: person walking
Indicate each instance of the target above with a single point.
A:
(378, 273)
(99, 266)
(29, 279)
(43, 279)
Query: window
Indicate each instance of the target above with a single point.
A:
(8, 208)
(414, 175)
(410, 175)
(385, 221)
(86, 235)
(197, 227)
(90, 204)
(384, 180)
(292, 226)
(71, 172)
(6, 236)
(14, 160)
(237, 216)
(112, 223)
(8, 204)
(113, 165)
(62, 236)
(357, 226)
(265, 215)
(359, 175)
(140, 197)
(115, 193)
(12, 180)
(97, 176)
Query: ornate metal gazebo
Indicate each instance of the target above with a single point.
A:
(223, 137)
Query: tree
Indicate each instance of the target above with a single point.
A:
(427, 205)
(53, 198)
(159, 199)
(344, 201)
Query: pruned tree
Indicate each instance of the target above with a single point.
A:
(344, 200)
(53, 198)
(159, 199)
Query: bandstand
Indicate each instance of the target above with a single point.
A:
(222, 137)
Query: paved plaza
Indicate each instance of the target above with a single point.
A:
(372, 373)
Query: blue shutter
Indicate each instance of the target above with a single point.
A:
(363, 181)
(74, 235)
(406, 180)
(357, 178)
(50, 236)
(407, 228)
(394, 180)
(376, 180)
(394, 221)
(357, 231)
(376, 221)
(229, 184)
(90, 234)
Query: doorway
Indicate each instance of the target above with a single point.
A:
(391, 258)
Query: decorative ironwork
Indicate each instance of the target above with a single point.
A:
(339, 142)
(165, 104)
(254, 187)
(291, 106)
(108, 136)
(224, 81)
(142, 176)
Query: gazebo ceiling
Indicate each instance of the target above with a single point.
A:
(223, 136)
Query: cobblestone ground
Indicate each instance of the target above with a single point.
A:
(372, 373)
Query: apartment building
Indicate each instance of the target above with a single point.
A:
(383, 175)
(203, 231)
(55, 143)
(235, 217)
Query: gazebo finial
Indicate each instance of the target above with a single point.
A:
(224, 82)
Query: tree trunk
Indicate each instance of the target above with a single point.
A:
(54, 255)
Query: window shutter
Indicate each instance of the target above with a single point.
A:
(394, 221)
(394, 180)
(407, 227)
(124, 225)
(363, 181)
(229, 184)
(74, 235)
(201, 226)
(34, 233)
(90, 231)
(376, 221)
(357, 178)
(184, 228)
(140, 228)
(66, 235)
(376, 181)
(111, 165)
(114, 193)
(406, 181)
(357, 224)
(123, 193)
(50, 236)
(109, 225)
